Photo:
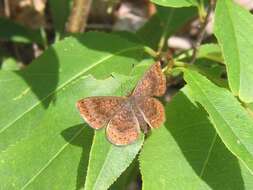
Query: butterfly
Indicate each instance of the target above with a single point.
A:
(125, 117)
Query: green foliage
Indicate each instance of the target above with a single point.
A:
(60, 10)
(210, 51)
(57, 68)
(64, 138)
(233, 29)
(205, 143)
(113, 160)
(9, 64)
(176, 3)
(33, 101)
(188, 152)
(163, 164)
(230, 119)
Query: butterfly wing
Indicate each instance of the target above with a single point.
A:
(153, 82)
(97, 111)
(123, 128)
(152, 111)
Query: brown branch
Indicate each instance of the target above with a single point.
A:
(202, 31)
(7, 10)
(78, 16)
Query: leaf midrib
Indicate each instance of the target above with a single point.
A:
(68, 82)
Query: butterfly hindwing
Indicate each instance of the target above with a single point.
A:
(152, 110)
(153, 82)
(97, 111)
(123, 128)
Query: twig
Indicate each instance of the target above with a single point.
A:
(202, 31)
(7, 11)
(78, 17)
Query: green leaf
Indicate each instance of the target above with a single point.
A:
(160, 159)
(60, 10)
(9, 64)
(176, 3)
(193, 136)
(212, 70)
(104, 169)
(39, 142)
(15, 32)
(230, 119)
(164, 23)
(30, 91)
(233, 29)
(211, 52)
(127, 178)
(60, 144)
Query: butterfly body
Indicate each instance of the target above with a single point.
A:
(125, 117)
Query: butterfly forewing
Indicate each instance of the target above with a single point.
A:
(153, 82)
(97, 111)
(152, 110)
(123, 128)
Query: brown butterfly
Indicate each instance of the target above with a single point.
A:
(124, 117)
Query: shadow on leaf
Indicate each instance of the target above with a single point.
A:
(81, 136)
(42, 76)
(103, 58)
(201, 146)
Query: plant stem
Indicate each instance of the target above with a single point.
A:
(201, 10)
(150, 51)
(201, 32)
(180, 64)
(44, 37)
(78, 16)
